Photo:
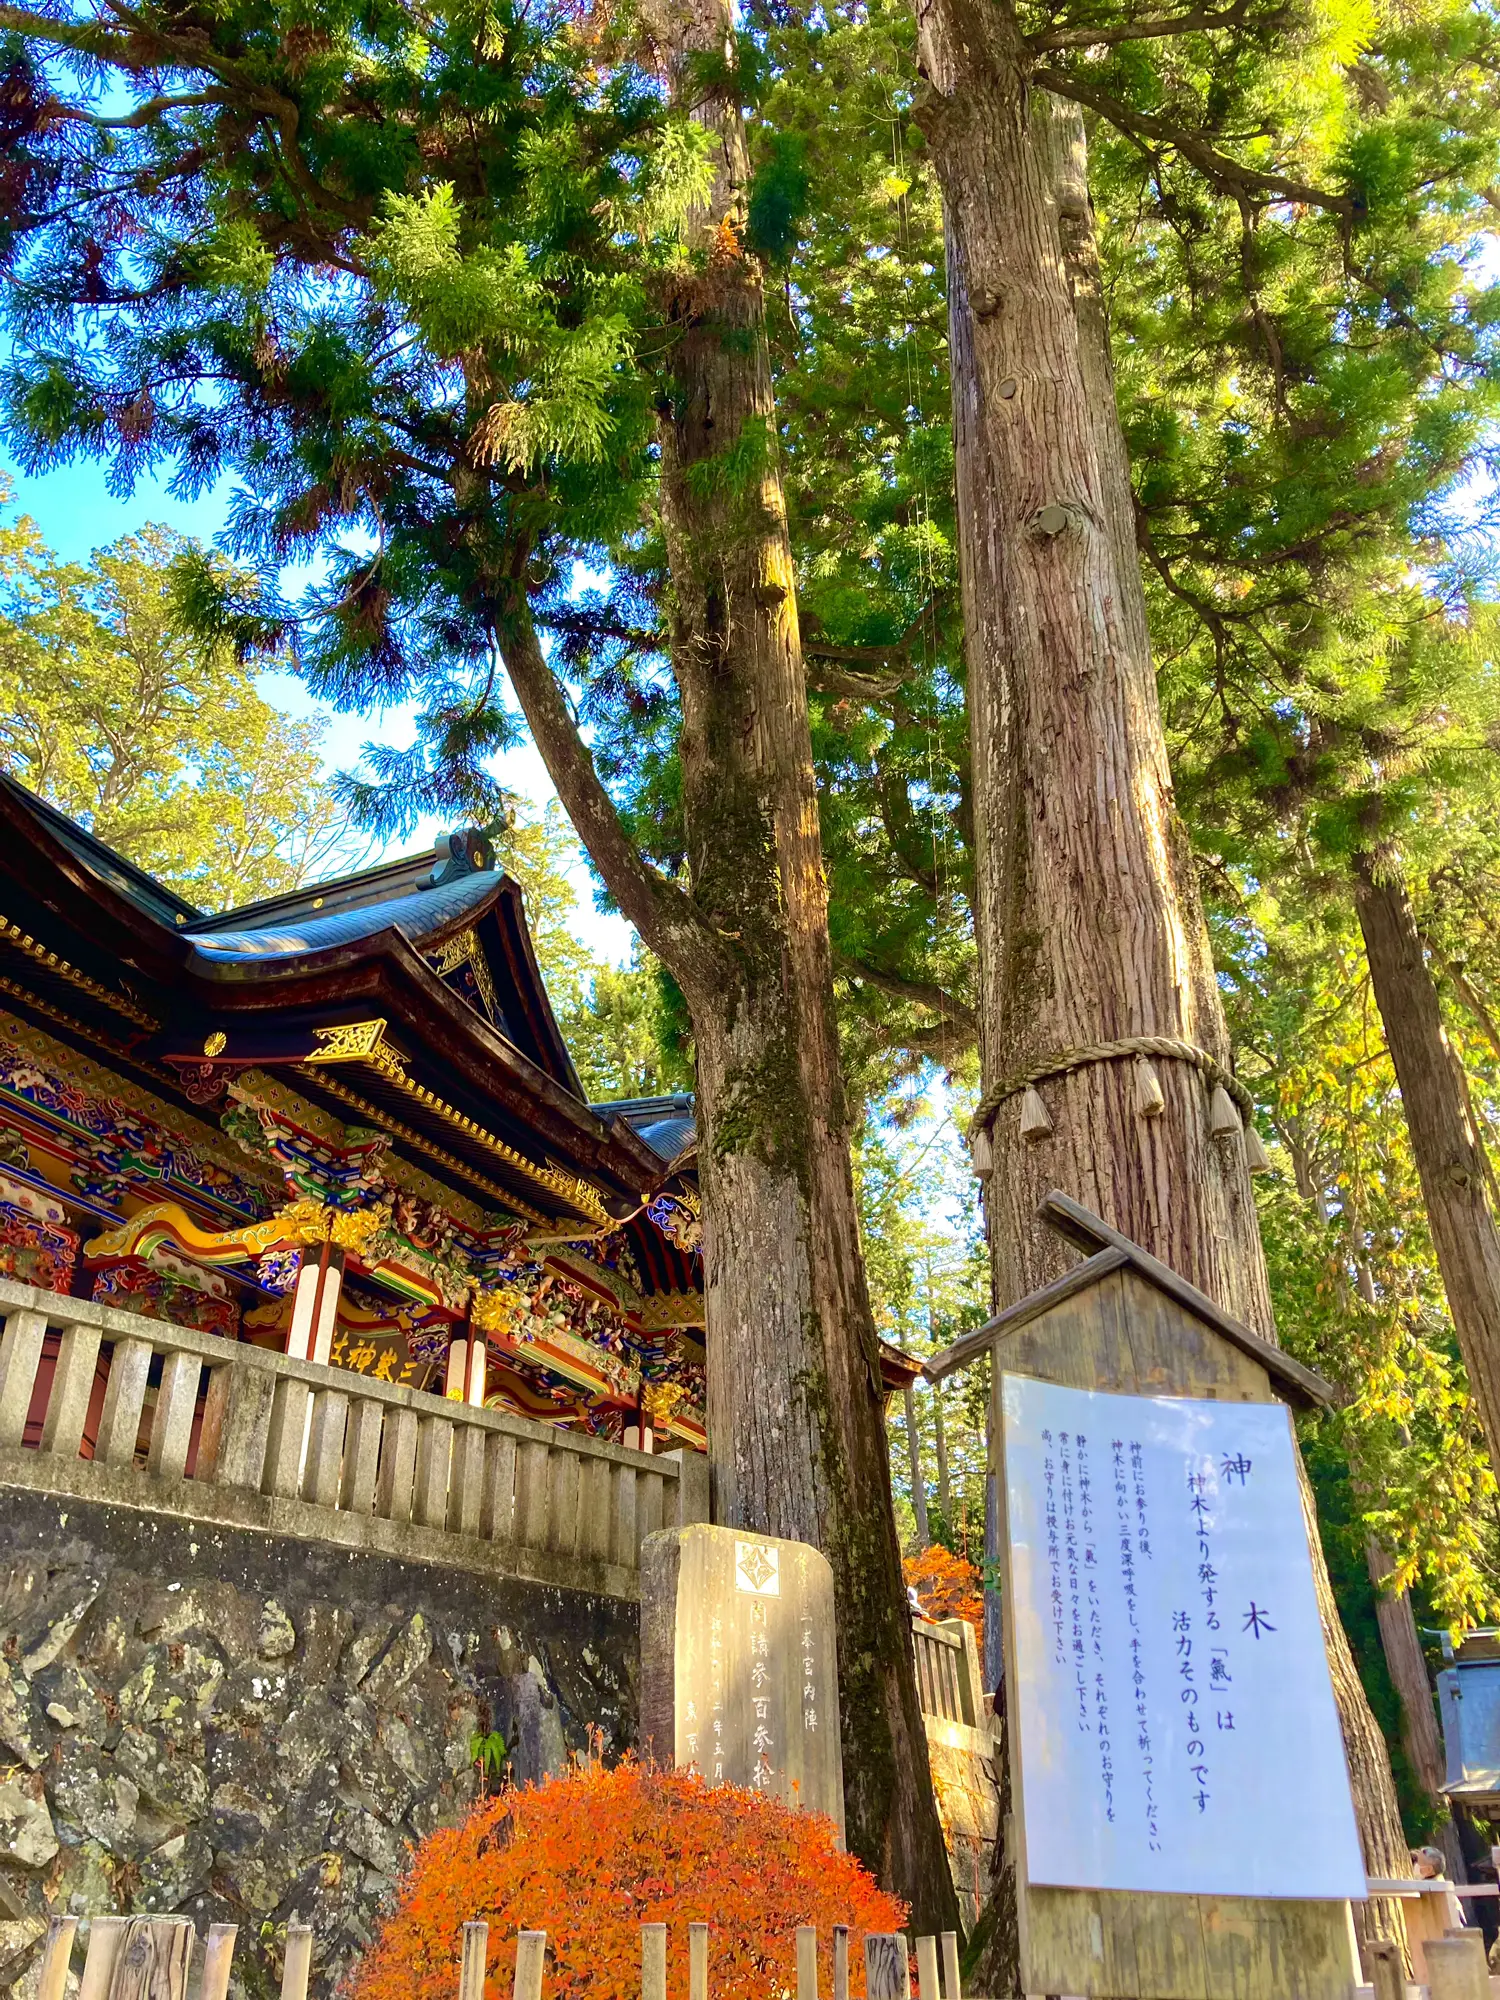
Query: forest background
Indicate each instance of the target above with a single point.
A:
(1303, 677)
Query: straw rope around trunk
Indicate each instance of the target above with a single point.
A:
(1068, 1060)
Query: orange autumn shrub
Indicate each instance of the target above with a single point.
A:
(946, 1586)
(591, 1856)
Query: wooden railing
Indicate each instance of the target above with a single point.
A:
(946, 1672)
(185, 1419)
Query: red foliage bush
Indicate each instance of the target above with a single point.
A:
(946, 1586)
(591, 1856)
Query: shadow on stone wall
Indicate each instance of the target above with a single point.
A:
(242, 1729)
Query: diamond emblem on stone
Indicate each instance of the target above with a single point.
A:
(757, 1570)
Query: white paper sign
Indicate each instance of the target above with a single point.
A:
(1177, 1722)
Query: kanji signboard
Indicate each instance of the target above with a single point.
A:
(1177, 1722)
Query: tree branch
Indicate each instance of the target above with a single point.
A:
(921, 992)
(853, 687)
(1230, 176)
(664, 916)
(143, 114)
(1198, 20)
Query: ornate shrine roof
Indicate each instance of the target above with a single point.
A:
(409, 1002)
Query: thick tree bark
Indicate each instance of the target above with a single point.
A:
(1087, 913)
(1450, 1160)
(796, 1419)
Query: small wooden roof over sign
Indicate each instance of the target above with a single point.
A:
(1113, 1252)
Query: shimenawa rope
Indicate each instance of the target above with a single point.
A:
(1067, 1060)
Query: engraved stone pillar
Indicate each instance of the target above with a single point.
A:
(739, 1675)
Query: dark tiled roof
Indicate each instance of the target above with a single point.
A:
(665, 1123)
(419, 915)
(122, 876)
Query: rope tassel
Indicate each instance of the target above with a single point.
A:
(1149, 1100)
(1036, 1122)
(1257, 1159)
(984, 1154)
(1223, 1119)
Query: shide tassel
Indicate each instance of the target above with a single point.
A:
(1035, 1121)
(1149, 1100)
(1223, 1119)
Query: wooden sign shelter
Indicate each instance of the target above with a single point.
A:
(1122, 1321)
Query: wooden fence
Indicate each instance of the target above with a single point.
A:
(148, 1958)
(943, 1680)
(192, 1422)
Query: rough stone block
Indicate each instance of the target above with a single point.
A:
(89, 1794)
(183, 1767)
(72, 1698)
(277, 1636)
(26, 1831)
(408, 1649)
(174, 1786)
(325, 1633)
(59, 1610)
(373, 1841)
(257, 1879)
(23, 1733)
(169, 1874)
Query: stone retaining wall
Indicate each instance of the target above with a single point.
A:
(241, 1727)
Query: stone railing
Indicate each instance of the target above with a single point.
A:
(192, 1425)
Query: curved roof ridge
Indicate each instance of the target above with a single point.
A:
(419, 915)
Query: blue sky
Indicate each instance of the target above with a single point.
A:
(77, 514)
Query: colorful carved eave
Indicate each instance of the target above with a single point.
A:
(507, 1314)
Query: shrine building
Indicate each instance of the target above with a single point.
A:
(341, 1124)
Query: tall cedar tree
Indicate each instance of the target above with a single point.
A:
(427, 275)
(1088, 921)
(1285, 476)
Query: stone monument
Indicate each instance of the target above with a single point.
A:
(739, 1675)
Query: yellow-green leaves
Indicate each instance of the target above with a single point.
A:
(236, 259)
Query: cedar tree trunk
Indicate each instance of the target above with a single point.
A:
(1087, 913)
(918, 1482)
(1450, 1162)
(1402, 1645)
(796, 1406)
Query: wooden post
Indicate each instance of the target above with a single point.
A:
(887, 1975)
(927, 1969)
(841, 1962)
(807, 1962)
(653, 1962)
(153, 1959)
(105, 1935)
(953, 1988)
(56, 1955)
(1387, 1969)
(298, 1962)
(697, 1962)
(531, 1959)
(1456, 1968)
(476, 1950)
(218, 1958)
